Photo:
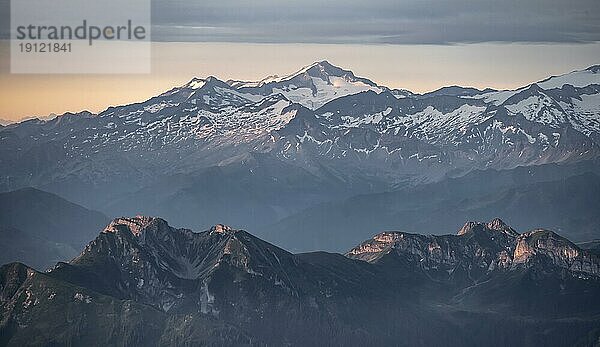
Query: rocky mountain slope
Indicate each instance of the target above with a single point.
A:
(479, 249)
(143, 282)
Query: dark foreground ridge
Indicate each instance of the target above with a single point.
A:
(142, 282)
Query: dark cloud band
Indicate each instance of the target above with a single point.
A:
(393, 22)
(378, 21)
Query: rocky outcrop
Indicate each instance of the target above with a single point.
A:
(546, 246)
(143, 282)
(147, 260)
(480, 248)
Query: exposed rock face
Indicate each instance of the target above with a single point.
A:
(162, 266)
(544, 245)
(143, 282)
(135, 225)
(478, 249)
(220, 228)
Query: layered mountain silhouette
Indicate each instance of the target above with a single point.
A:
(143, 282)
(560, 198)
(40, 228)
(261, 153)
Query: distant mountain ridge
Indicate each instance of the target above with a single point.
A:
(264, 151)
(356, 124)
(312, 87)
(560, 198)
(40, 228)
(143, 282)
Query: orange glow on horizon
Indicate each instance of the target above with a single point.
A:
(418, 68)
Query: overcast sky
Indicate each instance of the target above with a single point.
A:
(383, 21)
(419, 45)
(378, 21)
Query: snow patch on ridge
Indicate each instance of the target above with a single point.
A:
(576, 79)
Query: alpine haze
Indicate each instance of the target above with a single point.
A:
(258, 154)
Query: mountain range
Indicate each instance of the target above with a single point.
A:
(143, 282)
(261, 154)
(560, 198)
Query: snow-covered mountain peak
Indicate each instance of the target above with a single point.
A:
(316, 69)
(359, 128)
(252, 84)
(319, 69)
(537, 105)
(201, 85)
(195, 83)
(204, 83)
(312, 86)
(332, 74)
(594, 68)
(578, 78)
(322, 65)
